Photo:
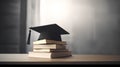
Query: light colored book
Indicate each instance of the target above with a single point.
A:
(46, 41)
(50, 46)
(50, 50)
(50, 54)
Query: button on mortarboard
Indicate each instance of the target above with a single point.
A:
(51, 32)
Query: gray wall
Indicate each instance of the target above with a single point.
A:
(12, 26)
(98, 29)
(93, 24)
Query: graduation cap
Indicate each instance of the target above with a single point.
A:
(50, 32)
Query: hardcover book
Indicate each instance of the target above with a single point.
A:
(50, 46)
(46, 41)
(50, 54)
(50, 50)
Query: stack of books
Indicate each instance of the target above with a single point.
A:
(49, 49)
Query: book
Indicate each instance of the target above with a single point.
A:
(50, 54)
(46, 41)
(50, 46)
(50, 50)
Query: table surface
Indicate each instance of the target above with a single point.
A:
(75, 59)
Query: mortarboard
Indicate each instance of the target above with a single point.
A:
(51, 32)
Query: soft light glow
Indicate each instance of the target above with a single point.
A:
(53, 10)
(57, 10)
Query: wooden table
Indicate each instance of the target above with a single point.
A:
(75, 59)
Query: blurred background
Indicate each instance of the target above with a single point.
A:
(12, 26)
(94, 25)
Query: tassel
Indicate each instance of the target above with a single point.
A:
(29, 35)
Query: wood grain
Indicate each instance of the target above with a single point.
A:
(75, 59)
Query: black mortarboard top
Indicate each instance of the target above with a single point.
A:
(50, 32)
